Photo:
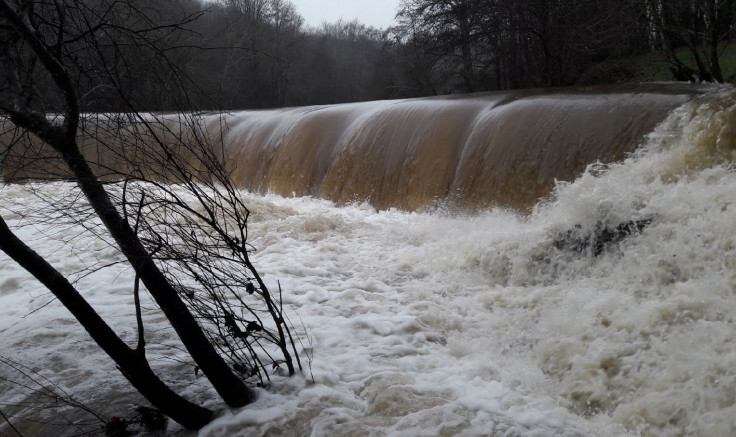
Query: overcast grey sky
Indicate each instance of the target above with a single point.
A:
(377, 13)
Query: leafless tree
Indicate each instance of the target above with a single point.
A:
(190, 254)
(704, 28)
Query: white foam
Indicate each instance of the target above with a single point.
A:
(429, 324)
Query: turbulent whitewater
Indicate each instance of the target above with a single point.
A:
(441, 321)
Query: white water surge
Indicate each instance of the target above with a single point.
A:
(444, 324)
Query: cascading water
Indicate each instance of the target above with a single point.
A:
(474, 152)
(469, 152)
(449, 322)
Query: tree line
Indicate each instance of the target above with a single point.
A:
(474, 45)
(232, 54)
(244, 54)
(259, 53)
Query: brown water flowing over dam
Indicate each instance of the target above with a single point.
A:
(467, 151)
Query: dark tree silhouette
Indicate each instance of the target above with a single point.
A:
(49, 50)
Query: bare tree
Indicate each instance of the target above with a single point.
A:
(703, 28)
(456, 34)
(197, 231)
(191, 255)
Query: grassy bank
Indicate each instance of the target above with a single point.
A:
(653, 67)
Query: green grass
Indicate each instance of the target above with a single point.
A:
(653, 67)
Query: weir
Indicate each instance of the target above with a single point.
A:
(465, 152)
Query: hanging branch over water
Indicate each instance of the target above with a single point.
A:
(197, 230)
(187, 244)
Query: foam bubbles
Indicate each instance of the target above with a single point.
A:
(444, 324)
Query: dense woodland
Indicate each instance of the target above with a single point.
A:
(237, 54)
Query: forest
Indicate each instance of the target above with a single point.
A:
(243, 54)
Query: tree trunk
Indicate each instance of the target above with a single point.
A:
(131, 363)
(713, 38)
(231, 388)
(63, 139)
